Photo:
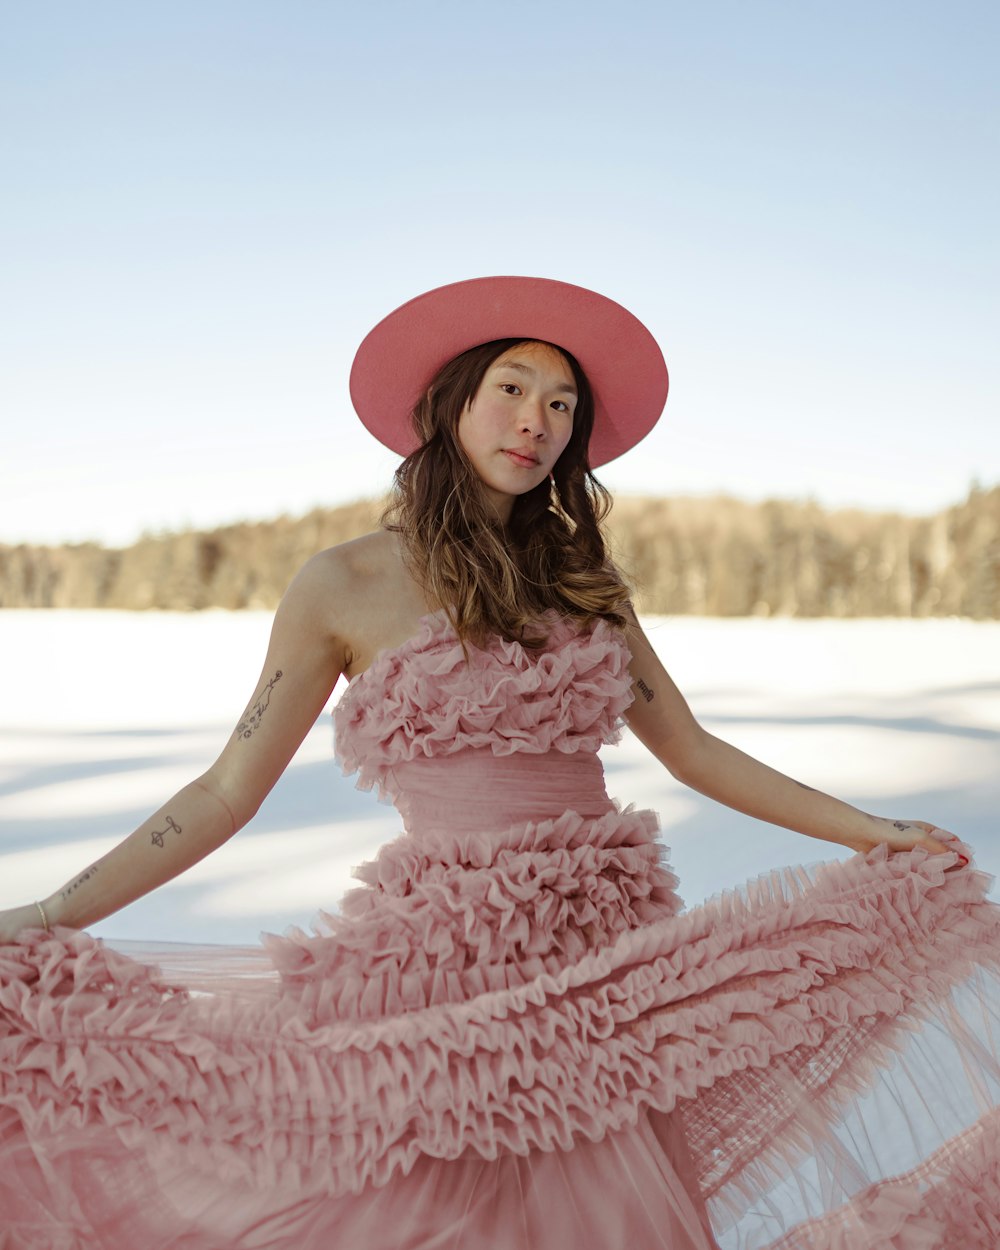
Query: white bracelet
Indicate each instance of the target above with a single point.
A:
(45, 919)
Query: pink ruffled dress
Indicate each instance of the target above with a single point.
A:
(512, 1036)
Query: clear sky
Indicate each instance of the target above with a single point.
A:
(205, 206)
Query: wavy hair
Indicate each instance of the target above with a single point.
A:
(492, 577)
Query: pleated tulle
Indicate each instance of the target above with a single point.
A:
(511, 1034)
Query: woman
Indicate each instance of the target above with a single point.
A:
(510, 1036)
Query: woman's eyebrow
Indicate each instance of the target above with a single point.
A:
(564, 387)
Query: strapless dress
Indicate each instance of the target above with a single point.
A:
(511, 1034)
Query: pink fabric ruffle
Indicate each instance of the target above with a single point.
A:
(478, 913)
(667, 1012)
(422, 699)
(950, 1202)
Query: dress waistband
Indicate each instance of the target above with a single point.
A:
(476, 791)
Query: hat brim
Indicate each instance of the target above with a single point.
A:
(398, 359)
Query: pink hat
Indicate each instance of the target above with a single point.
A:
(397, 360)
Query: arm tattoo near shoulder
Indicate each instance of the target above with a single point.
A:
(250, 723)
(644, 690)
(159, 834)
(84, 876)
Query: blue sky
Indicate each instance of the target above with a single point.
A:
(204, 208)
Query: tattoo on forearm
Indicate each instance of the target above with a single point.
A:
(250, 723)
(159, 834)
(805, 787)
(644, 690)
(84, 876)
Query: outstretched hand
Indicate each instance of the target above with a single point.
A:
(15, 920)
(905, 835)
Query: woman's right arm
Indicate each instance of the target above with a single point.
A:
(305, 657)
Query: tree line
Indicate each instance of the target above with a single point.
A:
(707, 556)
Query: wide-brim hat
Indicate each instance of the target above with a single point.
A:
(398, 359)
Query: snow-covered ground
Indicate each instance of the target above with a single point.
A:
(103, 715)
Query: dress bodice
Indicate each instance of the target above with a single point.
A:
(424, 701)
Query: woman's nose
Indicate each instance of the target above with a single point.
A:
(533, 418)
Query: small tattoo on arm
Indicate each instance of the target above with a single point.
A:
(250, 723)
(644, 690)
(805, 787)
(159, 834)
(84, 876)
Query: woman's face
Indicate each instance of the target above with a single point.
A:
(519, 421)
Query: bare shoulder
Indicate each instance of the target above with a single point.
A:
(364, 596)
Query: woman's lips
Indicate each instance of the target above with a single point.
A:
(522, 460)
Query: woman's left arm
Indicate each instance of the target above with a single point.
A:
(661, 719)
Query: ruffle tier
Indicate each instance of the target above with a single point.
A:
(475, 913)
(764, 1018)
(424, 699)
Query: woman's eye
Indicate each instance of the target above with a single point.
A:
(503, 385)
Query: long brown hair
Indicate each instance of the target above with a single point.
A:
(491, 577)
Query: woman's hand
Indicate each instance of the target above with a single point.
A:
(904, 835)
(16, 919)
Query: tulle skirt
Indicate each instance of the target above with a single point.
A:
(810, 1061)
